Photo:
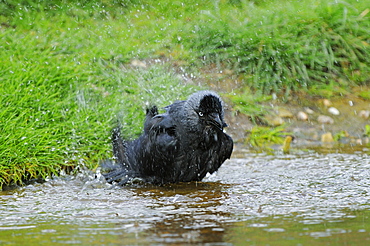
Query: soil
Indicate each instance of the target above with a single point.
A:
(348, 127)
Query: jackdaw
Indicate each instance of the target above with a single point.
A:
(181, 145)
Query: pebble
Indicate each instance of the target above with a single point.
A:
(284, 113)
(359, 141)
(326, 102)
(276, 121)
(309, 111)
(323, 119)
(327, 138)
(333, 111)
(364, 114)
(302, 116)
(138, 63)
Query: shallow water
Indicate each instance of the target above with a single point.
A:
(254, 199)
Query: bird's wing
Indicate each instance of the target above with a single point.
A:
(222, 153)
(175, 108)
(157, 147)
(122, 169)
(209, 161)
(163, 124)
(119, 146)
(162, 133)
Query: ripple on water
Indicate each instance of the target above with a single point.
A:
(312, 185)
(309, 187)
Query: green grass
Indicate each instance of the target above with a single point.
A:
(289, 45)
(47, 126)
(250, 104)
(65, 82)
(66, 73)
(262, 137)
(62, 91)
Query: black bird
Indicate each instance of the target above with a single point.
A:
(181, 145)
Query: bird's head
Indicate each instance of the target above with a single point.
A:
(206, 108)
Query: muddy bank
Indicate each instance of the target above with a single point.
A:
(312, 121)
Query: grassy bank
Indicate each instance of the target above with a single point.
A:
(290, 45)
(70, 69)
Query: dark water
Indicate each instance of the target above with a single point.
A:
(255, 199)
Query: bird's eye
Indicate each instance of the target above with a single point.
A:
(200, 114)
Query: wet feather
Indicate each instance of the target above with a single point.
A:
(181, 145)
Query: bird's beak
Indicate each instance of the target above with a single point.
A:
(217, 121)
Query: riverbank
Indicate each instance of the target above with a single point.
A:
(71, 71)
(313, 122)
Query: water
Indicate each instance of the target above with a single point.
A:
(254, 199)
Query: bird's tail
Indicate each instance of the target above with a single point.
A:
(118, 170)
(119, 146)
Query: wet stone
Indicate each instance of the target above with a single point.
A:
(284, 113)
(309, 111)
(364, 114)
(302, 116)
(324, 119)
(275, 121)
(333, 111)
(327, 138)
(326, 102)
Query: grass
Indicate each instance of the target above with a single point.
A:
(250, 104)
(262, 137)
(289, 46)
(48, 127)
(67, 73)
(367, 131)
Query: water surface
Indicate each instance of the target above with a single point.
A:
(254, 199)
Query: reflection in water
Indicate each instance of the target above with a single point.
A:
(192, 213)
(253, 198)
